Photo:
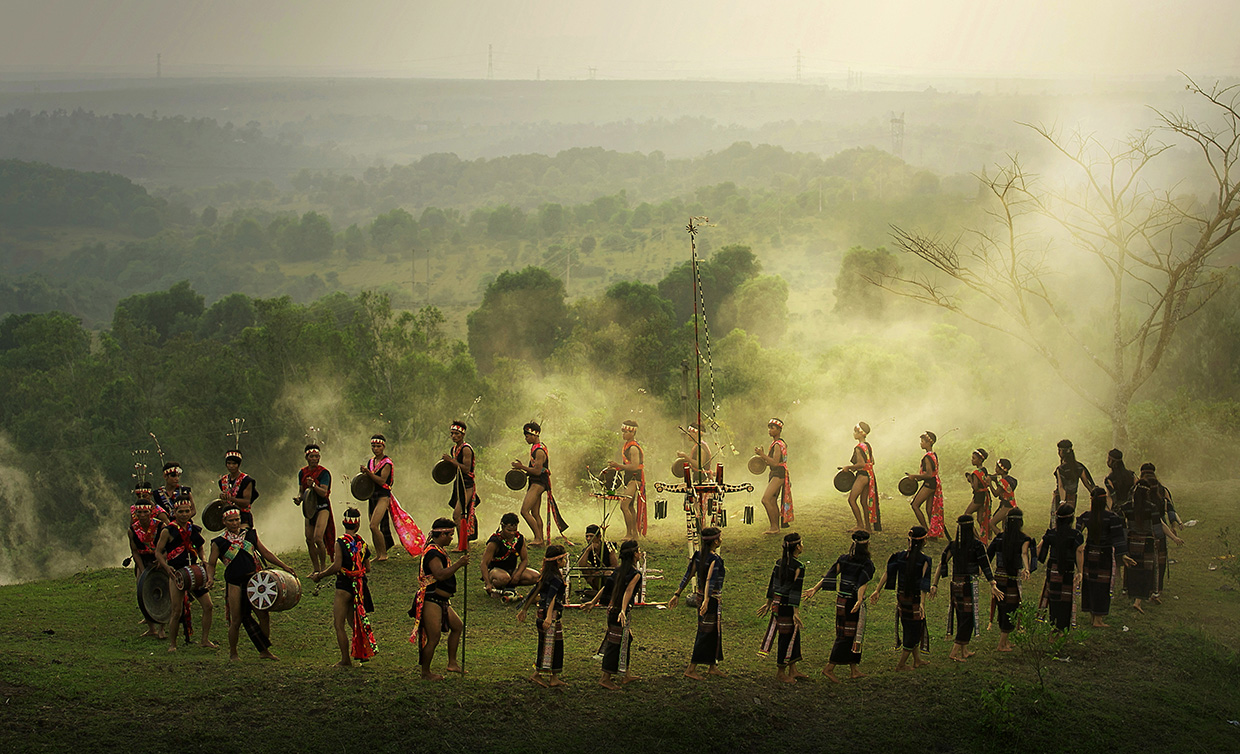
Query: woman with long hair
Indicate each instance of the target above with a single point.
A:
(619, 638)
(908, 573)
(1063, 552)
(967, 556)
(552, 594)
(1013, 554)
(708, 566)
(783, 602)
(853, 569)
(1106, 546)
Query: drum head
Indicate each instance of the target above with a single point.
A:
(610, 478)
(515, 479)
(213, 516)
(155, 595)
(756, 465)
(844, 480)
(444, 472)
(908, 486)
(362, 487)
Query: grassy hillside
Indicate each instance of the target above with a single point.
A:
(75, 671)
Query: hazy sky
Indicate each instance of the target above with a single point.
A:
(631, 39)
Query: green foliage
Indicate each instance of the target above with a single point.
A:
(523, 315)
(1037, 643)
(37, 194)
(1157, 429)
(759, 306)
(720, 275)
(855, 296)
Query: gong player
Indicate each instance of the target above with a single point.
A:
(180, 545)
(237, 487)
(632, 466)
(320, 530)
(464, 490)
(243, 553)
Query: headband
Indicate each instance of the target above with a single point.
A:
(172, 470)
(710, 537)
(796, 541)
(557, 557)
(351, 520)
(311, 447)
(933, 437)
(141, 506)
(916, 535)
(861, 536)
(456, 426)
(982, 453)
(776, 423)
(445, 530)
(232, 455)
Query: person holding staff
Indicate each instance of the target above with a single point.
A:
(783, 602)
(382, 472)
(864, 486)
(352, 601)
(539, 472)
(853, 569)
(464, 488)
(243, 554)
(432, 611)
(320, 529)
(238, 488)
(171, 493)
(180, 545)
(633, 465)
(777, 499)
(710, 571)
(908, 573)
(930, 493)
(619, 638)
(552, 594)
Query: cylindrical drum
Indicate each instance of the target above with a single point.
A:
(191, 578)
(273, 590)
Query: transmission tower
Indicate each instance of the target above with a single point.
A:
(897, 134)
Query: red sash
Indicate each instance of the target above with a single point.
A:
(786, 515)
(364, 645)
(641, 482)
(936, 503)
(872, 510)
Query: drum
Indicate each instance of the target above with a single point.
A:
(908, 486)
(273, 590)
(362, 487)
(844, 480)
(610, 479)
(444, 472)
(155, 596)
(756, 465)
(213, 516)
(515, 479)
(191, 578)
(678, 468)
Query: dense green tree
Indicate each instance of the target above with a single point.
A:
(523, 315)
(855, 296)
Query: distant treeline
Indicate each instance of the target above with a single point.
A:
(33, 194)
(166, 150)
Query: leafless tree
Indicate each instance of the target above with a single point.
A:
(1152, 245)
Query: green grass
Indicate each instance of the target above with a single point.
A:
(74, 672)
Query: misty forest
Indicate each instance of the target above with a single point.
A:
(1005, 263)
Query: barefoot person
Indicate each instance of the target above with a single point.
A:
(979, 505)
(238, 488)
(352, 601)
(539, 472)
(1003, 486)
(1063, 552)
(777, 499)
(320, 533)
(1106, 548)
(431, 610)
(382, 472)
(464, 487)
(908, 573)
(864, 491)
(967, 556)
(633, 465)
(783, 602)
(708, 566)
(552, 595)
(930, 493)
(180, 545)
(853, 569)
(1013, 554)
(505, 559)
(143, 534)
(243, 554)
(619, 638)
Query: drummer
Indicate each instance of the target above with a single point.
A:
(238, 488)
(319, 541)
(242, 552)
(180, 545)
(632, 464)
(143, 533)
(539, 472)
(505, 559)
(464, 491)
(166, 497)
(777, 499)
(382, 472)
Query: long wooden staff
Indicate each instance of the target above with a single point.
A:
(462, 545)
